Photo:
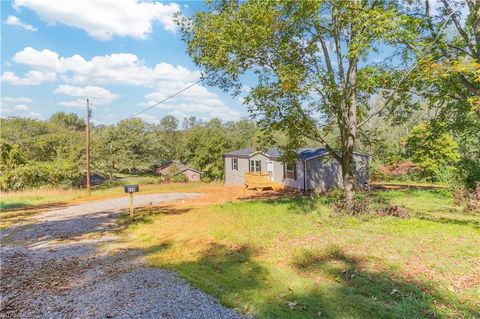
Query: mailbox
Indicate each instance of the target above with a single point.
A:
(131, 188)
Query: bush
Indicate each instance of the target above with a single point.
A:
(469, 199)
(179, 178)
(364, 204)
(360, 205)
(36, 174)
(432, 148)
(395, 211)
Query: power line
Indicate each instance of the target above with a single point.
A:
(167, 98)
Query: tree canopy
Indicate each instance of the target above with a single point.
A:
(311, 61)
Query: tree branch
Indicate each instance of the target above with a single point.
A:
(316, 136)
(390, 98)
(459, 28)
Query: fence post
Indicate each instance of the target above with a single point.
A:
(131, 205)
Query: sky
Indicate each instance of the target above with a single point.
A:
(124, 55)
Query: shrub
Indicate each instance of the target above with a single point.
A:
(36, 174)
(364, 204)
(469, 199)
(179, 178)
(432, 149)
(395, 211)
(360, 205)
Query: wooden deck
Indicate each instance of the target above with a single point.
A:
(261, 181)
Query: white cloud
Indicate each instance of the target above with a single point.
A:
(33, 77)
(96, 94)
(13, 20)
(199, 108)
(35, 115)
(21, 107)
(78, 103)
(118, 68)
(196, 92)
(19, 99)
(245, 89)
(178, 114)
(106, 18)
(195, 101)
(124, 68)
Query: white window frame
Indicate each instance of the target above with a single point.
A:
(235, 163)
(291, 173)
(255, 165)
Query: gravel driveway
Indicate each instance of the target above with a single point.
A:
(54, 267)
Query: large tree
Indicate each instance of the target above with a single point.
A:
(448, 76)
(312, 61)
(452, 66)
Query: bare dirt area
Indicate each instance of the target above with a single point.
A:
(56, 265)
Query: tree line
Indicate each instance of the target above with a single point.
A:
(52, 152)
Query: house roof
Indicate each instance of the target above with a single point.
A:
(191, 169)
(303, 153)
(246, 152)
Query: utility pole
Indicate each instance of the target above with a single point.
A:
(88, 146)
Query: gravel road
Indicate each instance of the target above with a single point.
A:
(55, 266)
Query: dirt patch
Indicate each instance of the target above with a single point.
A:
(228, 193)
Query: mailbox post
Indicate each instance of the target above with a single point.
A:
(131, 189)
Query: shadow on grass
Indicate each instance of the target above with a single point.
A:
(146, 215)
(451, 221)
(339, 287)
(227, 272)
(12, 205)
(23, 207)
(17, 212)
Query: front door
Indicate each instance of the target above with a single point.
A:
(270, 169)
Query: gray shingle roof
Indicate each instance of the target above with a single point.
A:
(304, 153)
(274, 152)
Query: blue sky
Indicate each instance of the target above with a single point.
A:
(123, 54)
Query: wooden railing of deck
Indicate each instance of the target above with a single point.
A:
(258, 180)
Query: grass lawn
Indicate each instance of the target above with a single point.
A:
(287, 258)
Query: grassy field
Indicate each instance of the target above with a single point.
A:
(287, 258)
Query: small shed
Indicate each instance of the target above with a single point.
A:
(170, 170)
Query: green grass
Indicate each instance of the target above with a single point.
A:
(257, 256)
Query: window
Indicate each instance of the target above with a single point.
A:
(255, 165)
(291, 170)
(235, 164)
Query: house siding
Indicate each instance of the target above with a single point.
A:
(235, 177)
(325, 173)
(361, 170)
(322, 173)
(292, 183)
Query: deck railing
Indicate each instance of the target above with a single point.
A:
(258, 180)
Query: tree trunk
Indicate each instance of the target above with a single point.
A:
(349, 132)
(348, 175)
